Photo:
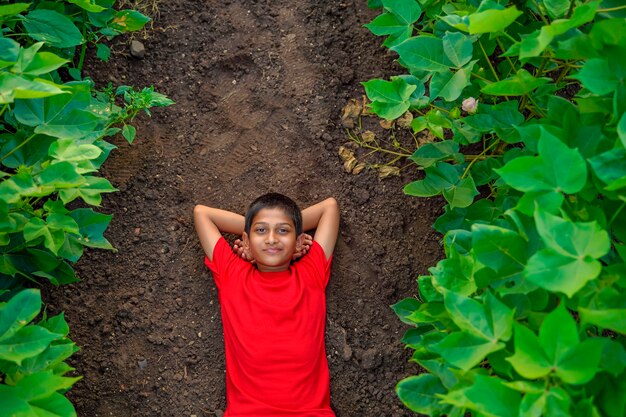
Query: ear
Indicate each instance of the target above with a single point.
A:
(299, 241)
(246, 241)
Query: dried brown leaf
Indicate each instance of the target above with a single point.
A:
(388, 171)
(349, 164)
(368, 136)
(358, 168)
(405, 120)
(386, 124)
(350, 112)
(345, 153)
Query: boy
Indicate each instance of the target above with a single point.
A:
(273, 310)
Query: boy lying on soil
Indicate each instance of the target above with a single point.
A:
(273, 308)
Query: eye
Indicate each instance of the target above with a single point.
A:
(260, 230)
(283, 231)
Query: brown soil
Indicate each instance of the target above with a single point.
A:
(259, 87)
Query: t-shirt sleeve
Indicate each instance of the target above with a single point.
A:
(223, 256)
(316, 260)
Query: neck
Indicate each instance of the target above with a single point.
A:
(278, 268)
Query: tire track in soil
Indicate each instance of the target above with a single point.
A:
(147, 316)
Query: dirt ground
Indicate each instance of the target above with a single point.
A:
(259, 87)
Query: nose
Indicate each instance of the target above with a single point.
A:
(271, 237)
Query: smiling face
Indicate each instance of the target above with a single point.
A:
(272, 240)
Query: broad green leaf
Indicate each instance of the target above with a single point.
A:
(389, 24)
(420, 394)
(405, 308)
(458, 48)
(25, 343)
(576, 239)
(488, 396)
(390, 99)
(580, 363)
(18, 311)
(62, 116)
(610, 167)
(52, 28)
(69, 150)
(449, 85)
(454, 274)
(558, 333)
(462, 193)
(518, 85)
(464, 350)
(499, 317)
(407, 11)
(493, 20)
(49, 358)
(613, 359)
(9, 51)
(41, 385)
(44, 62)
(103, 52)
(498, 248)
(607, 310)
(430, 153)
(555, 402)
(17, 87)
(557, 168)
(129, 21)
(13, 9)
(529, 360)
(53, 238)
(557, 8)
(558, 273)
(534, 44)
(90, 191)
(89, 5)
(621, 130)
(469, 314)
(438, 177)
(597, 76)
(424, 53)
(60, 175)
(92, 226)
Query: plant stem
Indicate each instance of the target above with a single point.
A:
(617, 212)
(17, 147)
(6, 106)
(482, 78)
(611, 9)
(83, 49)
(494, 143)
(495, 74)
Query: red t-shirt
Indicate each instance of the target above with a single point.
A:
(274, 326)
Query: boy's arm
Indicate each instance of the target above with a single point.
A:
(211, 222)
(324, 217)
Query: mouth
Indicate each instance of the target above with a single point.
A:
(272, 251)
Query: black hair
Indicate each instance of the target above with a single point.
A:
(274, 200)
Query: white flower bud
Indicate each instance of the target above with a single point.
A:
(470, 105)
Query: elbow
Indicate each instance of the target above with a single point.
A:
(332, 204)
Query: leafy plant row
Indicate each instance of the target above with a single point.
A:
(526, 102)
(52, 143)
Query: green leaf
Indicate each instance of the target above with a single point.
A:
(90, 191)
(580, 363)
(129, 133)
(18, 311)
(529, 360)
(92, 226)
(44, 62)
(52, 28)
(458, 48)
(405, 308)
(389, 24)
(518, 85)
(610, 167)
(597, 76)
(498, 248)
(454, 274)
(129, 21)
(60, 175)
(430, 153)
(621, 130)
(557, 168)
(407, 11)
(69, 150)
(53, 237)
(420, 394)
(424, 53)
(462, 193)
(16, 87)
(62, 116)
(103, 52)
(489, 396)
(438, 177)
(493, 20)
(25, 343)
(89, 5)
(390, 99)
(534, 44)
(13, 9)
(607, 310)
(449, 85)
(557, 8)
(464, 350)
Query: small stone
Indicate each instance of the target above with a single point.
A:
(219, 413)
(371, 359)
(137, 49)
(143, 363)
